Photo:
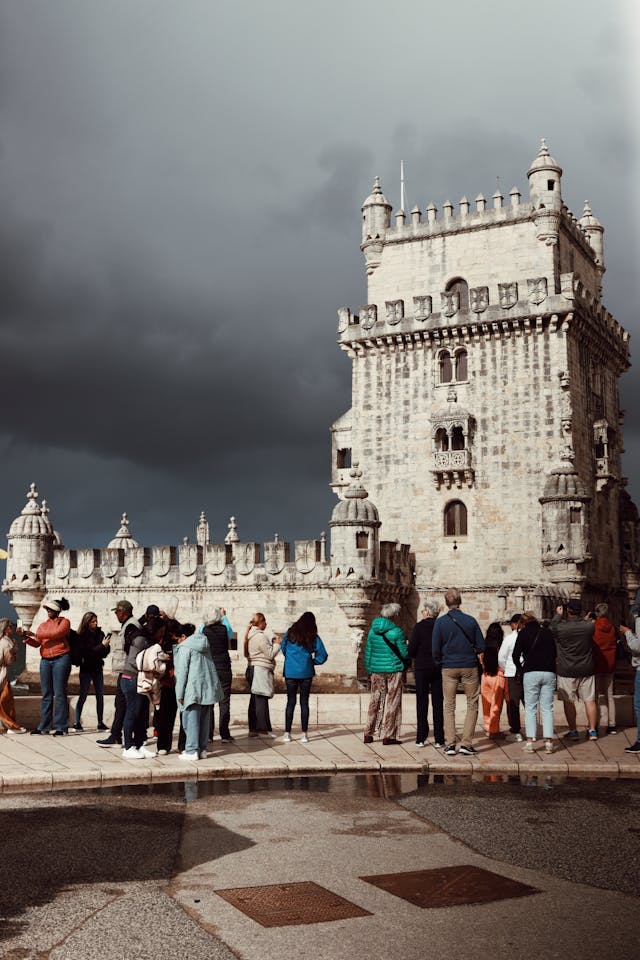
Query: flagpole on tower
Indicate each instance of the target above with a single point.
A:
(402, 197)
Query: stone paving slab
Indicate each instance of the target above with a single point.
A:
(48, 763)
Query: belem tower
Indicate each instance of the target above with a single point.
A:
(482, 448)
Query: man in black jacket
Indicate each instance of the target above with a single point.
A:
(218, 631)
(428, 676)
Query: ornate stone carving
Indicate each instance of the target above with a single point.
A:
(422, 307)
(479, 299)
(368, 315)
(395, 311)
(188, 559)
(274, 557)
(245, 557)
(134, 561)
(450, 303)
(86, 562)
(109, 562)
(62, 564)
(306, 555)
(215, 559)
(344, 315)
(507, 295)
(161, 560)
(537, 290)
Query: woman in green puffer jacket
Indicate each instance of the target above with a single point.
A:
(383, 659)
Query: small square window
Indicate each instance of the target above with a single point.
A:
(550, 184)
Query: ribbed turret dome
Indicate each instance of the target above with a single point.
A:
(376, 197)
(587, 219)
(356, 508)
(33, 521)
(123, 539)
(544, 161)
(563, 481)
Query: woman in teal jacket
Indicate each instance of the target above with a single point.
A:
(302, 649)
(383, 659)
(197, 689)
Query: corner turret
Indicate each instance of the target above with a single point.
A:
(376, 219)
(545, 190)
(354, 533)
(595, 235)
(30, 548)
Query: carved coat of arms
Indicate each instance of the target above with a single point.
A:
(274, 557)
(188, 559)
(306, 555)
(61, 563)
(109, 560)
(450, 303)
(537, 290)
(134, 561)
(507, 295)
(343, 319)
(479, 299)
(161, 560)
(395, 311)
(244, 555)
(86, 562)
(422, 307)
(368, 315)
(215, 558)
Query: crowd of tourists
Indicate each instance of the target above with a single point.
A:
(572, 656)
(166, 670)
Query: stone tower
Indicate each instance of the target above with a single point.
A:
(485, 408)
(30, 547)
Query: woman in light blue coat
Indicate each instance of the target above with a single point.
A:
(197, 689)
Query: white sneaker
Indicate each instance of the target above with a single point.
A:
(14, 733)
(304, 738)
(132, 754)
(286, 737)
(548, 746)
(528, 746)
(203, 755)
(423, 744)
(162, 753)
(146, 754)
(188, 756)
(268, 736)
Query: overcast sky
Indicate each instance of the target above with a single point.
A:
(180, 192)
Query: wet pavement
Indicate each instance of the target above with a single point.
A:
(363, 866)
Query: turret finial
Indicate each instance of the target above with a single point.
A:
(544, 150)
(232, 536)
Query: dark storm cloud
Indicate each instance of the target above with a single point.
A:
(180, 191)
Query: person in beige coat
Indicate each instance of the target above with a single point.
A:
(261, 651)
(8, 655)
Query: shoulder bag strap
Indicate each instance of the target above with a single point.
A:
(467, 637)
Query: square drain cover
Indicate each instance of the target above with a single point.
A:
(450, 886)
(287, 904)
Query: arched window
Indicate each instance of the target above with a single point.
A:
(455, 519)
(461, 287)
(446, 367)
(457, 439)
(442, 440)
(461, 365)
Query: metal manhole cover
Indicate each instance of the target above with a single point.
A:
(287, 904)
(450, 886)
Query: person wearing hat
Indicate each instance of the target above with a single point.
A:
(52, 637)
(574, 666)
(135, 639)
(124, 615)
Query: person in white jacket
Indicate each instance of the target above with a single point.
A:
(632, 641)
(515, 693)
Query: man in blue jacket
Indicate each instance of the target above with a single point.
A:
(457, 646)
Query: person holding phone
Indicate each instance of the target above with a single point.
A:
(92, 648)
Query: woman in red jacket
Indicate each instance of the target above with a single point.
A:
(52, 636)
(605, 637)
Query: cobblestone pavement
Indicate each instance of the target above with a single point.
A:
(179, 869)
(48, 762)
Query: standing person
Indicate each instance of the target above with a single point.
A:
(514, 689)
(124, 615)
(574, 667)
(136, 714)
(385, 660)
(428, 676)
(8, 655)
(218, 632)
(261, 651)
(92, 648)
(197, 689)
(302, 649)
(632, 642)
(605, 640)
(535, 654)
(168, 705)
(458, 646)
(492, 686)
(52, 636)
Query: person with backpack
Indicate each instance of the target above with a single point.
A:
(88, 650)
(52, 637)
(302, 649)
(535, 655)
(385, 658)
(136, 713)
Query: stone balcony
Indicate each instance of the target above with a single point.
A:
(452, 468)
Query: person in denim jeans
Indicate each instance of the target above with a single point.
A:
(302, 649)
(52, 637)
(535, 654)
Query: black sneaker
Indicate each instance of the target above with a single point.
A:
(450, 751)
(634, 748)
(60, 733)
(37, 732)
(468, 751)
(78, 727)
(228, 739)
(102, 726)
(109, 742)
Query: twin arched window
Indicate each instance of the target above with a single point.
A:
(455, 519)
(453, 367)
